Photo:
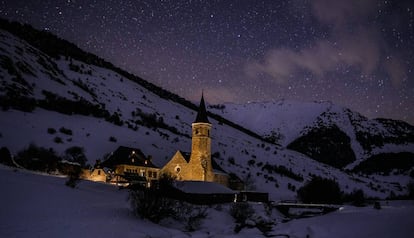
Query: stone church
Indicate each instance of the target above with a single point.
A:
(130, 165)
(197, 165)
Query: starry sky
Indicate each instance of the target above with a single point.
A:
(354, 53)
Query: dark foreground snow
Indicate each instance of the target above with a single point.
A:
(35, 205)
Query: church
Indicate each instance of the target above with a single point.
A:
(130, 165)
(197, 165)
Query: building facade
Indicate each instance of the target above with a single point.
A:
(129, 165)
(197, 165)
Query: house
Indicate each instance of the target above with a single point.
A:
(129, 165)
(97, 173)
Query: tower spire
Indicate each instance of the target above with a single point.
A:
(202, 112)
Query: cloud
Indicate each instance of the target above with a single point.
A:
(353, 42)
(396, 71)
(360, 50)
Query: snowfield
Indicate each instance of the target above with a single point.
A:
(37, 205)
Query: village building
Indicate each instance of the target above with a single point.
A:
(199, 179)
(96, 174)
(130, 165)
(197, 165)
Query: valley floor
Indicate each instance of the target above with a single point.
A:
(36, 205)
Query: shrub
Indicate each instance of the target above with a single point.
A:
(74, 176)
(241, 211)
(76, 154)
(410, 187)
(58, 140)
(282, 170)
(5, 157)
(357, 198)
(249, 182)
(148, 204)
(191, 215)
(377, 205)
(38, 158)
(320, 190)
(51, 131)
(65, 131)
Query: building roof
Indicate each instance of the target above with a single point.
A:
(128, 156)
(202, 112)
(202, 187)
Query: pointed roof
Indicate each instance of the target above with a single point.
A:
(129, 156)
(202, 112)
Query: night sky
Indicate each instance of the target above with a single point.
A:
(355, 53)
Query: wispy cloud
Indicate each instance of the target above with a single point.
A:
(361, 48)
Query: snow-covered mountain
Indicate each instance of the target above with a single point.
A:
(322, 129)
(56, 96)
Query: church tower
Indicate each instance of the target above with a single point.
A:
(200, 160)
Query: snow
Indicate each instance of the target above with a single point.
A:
(42, 206)
(393, 220)
(201, 187)
(39, 205)
(286, 117)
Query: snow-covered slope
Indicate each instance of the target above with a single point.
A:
(39, 205)
(43, 96)
(283, 119)
(287, 121)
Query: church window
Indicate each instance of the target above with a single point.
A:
(177, 169)
(99, 172)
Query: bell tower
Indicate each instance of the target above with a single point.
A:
(200, 160)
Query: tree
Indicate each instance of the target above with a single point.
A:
(5, 157)
(76, 154)
(249, 182)
(38, 158)
(74, 176)
(410, 187)
(320, 190)
(357, 198)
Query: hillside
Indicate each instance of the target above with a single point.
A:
(325, 132)
(57, 99)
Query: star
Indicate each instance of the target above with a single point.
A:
(239, 51)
